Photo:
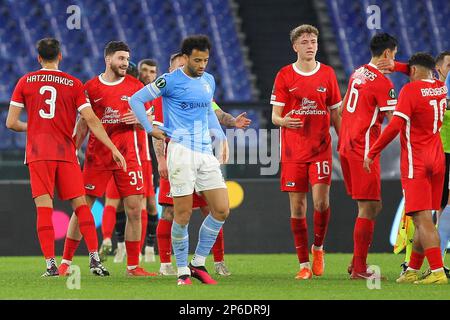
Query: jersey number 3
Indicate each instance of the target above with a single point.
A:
(50, 102)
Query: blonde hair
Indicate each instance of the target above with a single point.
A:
(304, 28)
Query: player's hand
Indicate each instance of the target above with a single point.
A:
(162, 169)
(291, 123)
(129, 118)
(386, 65)
(119, 159)
(158, 133)
(242, 122)
(367, 163)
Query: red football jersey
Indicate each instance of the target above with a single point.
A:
(422, 104)
(369, 94)
(110, 102)
(51, 99)
(311, 96)
(157, 111)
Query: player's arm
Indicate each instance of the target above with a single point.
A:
(137, 103)
(98, 130)
(158, 146)
(216, 131)
(81, 131)
(336, 119)
(389, 65)
(226, 119)
(13, 120)
(286, 121)
(388, 134)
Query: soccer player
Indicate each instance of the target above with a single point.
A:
(51, 99)
(177, 60)
(305, 98)
(187, 105)
(370, 98)
(109, 94)
(418, 116)
(147, 74)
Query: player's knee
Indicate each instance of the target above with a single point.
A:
(183, 216)
(221, 214)
(321, 206)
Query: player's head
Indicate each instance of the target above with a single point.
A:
(49, 50)
(117, 55)
(443, 65)
(383, 45)
(195, 50)
(421, 66)
(177, 60)
(132, 70)
(304, 40)
(148, 70)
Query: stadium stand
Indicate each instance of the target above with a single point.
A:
(429, 32)
(151, 28)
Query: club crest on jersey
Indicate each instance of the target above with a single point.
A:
(125, 98)
(207, 87)
(321, 89)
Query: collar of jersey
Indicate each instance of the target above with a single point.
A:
(110, 83)
(372, 65)
(181, 69)
(56, 70)
(306, 74)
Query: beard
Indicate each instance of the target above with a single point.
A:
(117, 71)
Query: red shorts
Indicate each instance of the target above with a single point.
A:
(296, 177)
(147, 170)
(128, 183)
(165, 197)
(423, 193)
(360, 184)
(67, 177)
(113, 193)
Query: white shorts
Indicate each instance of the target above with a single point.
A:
(192, 170)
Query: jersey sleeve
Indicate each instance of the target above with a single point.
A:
(160, 86)
(81, 99)
(334, 98)
(280, 93)
(404, 105)
(385, 96)
(17, 98)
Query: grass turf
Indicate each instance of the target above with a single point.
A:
(254, 277)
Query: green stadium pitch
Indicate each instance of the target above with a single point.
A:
(254, 277)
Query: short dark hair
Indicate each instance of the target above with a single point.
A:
(422, 59)
(149, 62)
(132, 69)
(198, 41)
(48, 48)
(441, 56)
(174, 56)
(114, 46)
(381, 42)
